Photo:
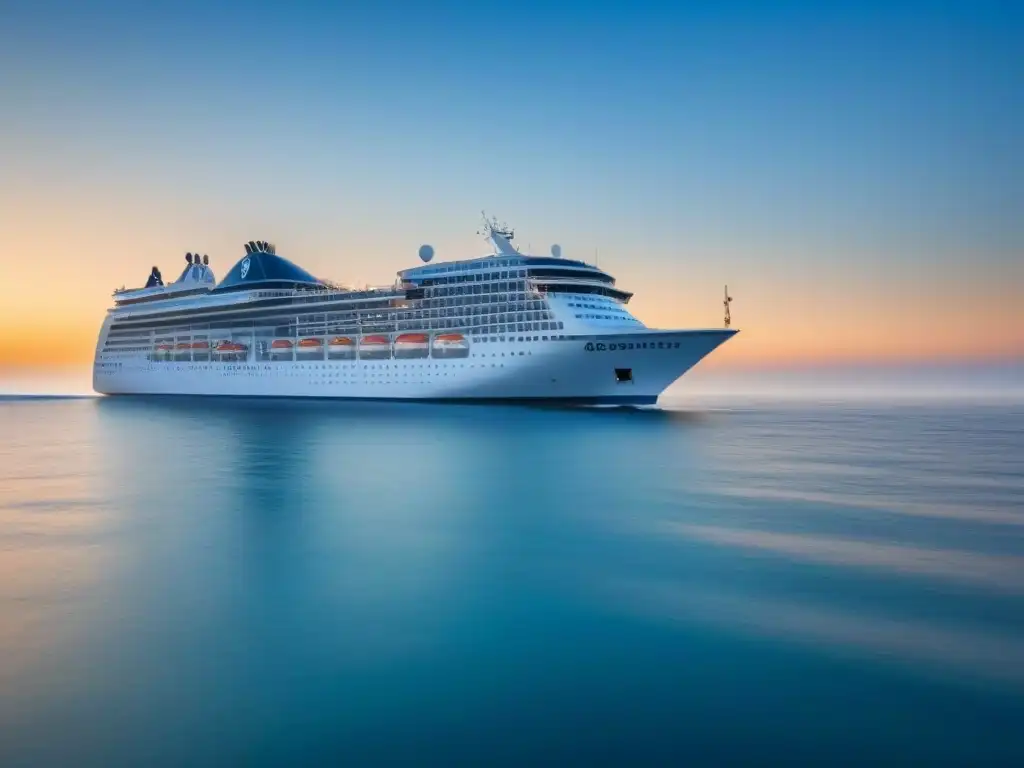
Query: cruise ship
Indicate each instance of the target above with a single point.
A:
(502, 327)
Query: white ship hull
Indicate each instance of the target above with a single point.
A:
(626, 368)
(504, 327)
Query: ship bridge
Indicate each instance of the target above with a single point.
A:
(547, 274)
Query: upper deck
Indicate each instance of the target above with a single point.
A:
(264, 280)
(196, 279)
(546, 273)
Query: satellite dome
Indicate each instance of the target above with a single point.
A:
(426, 253)
(556, 251)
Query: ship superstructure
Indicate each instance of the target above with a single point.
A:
(507, 326)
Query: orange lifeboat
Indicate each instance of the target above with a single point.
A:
(375, 348)
(230, 346)
(412, 338)
(183, 345)
(450, 338)
(341, 348)
(164, 347)
(410, 346)
(200, 345)
(280, 344)
(310, 348)
(447, 345)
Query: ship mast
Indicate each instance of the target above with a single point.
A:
(500, 235)
(726, 303)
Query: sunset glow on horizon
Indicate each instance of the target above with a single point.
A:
(852, 174)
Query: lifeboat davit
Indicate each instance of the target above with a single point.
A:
(281, 344)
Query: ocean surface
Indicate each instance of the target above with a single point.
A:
(719, 581)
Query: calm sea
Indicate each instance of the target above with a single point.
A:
(195, 582)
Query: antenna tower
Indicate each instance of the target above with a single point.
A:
(493, 225)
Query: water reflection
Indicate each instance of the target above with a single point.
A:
(969, 655)
(851, 500)
(319, 570)
(998, 572)
(50, 514)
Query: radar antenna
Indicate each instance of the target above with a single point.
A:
(726, 303)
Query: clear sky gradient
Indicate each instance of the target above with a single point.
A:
(855, 173)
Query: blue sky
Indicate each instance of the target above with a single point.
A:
(864, 136)
(858, 118)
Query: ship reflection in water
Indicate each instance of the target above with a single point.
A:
(194, 581)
